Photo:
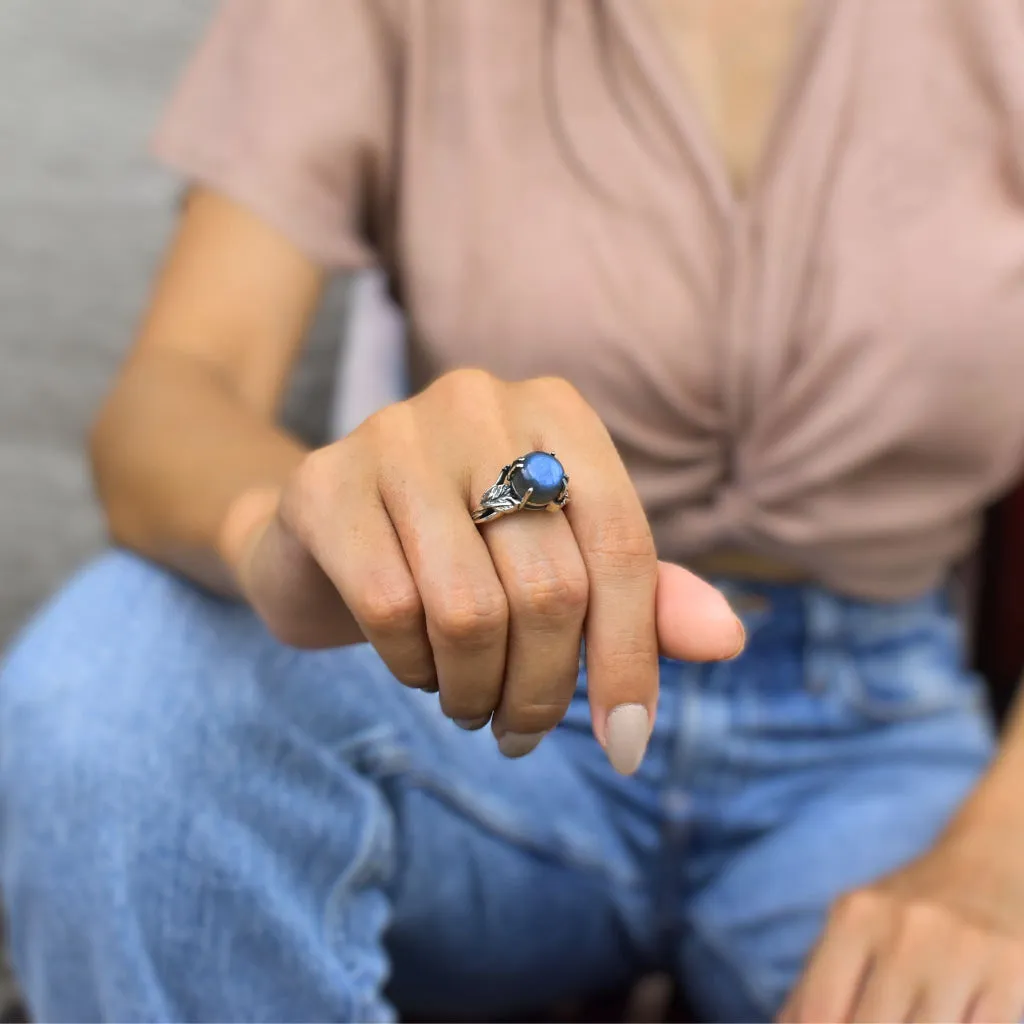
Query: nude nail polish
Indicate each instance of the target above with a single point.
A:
(627, 731)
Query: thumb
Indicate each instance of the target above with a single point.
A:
(694, 620)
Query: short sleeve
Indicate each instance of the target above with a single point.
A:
(287, 108)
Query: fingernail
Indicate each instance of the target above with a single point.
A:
(430, 688)
(742, 640)
(471, 724)
(518, 744)
(626, 734)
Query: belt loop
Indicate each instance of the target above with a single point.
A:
(823, 617)
(823, 626)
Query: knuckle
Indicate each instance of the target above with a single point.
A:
(915, 932)
(856, 908)
(634, 656)
(310, 491)
(532, 716)
(559, 394)
(471, 617)
(544, 593)
(921, 918)
(389, 606)
(389, 436)
(557, 388)
(469, 396)
(973, 945)
(312, 486)
(384, 425)
(465, 380)
(623, 544)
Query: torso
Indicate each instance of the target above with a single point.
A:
(733, 57)
(779, 247)
(792, 290)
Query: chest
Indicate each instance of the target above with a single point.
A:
(566, 210)
(732, 57)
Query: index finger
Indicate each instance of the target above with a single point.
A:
(838, 966)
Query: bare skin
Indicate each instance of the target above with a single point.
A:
(733, 58)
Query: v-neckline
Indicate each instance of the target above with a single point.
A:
(676, 93)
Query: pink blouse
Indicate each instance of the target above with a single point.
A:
(829, 371)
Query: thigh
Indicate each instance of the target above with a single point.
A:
(181, 749)
(750, 929)
(835, 761)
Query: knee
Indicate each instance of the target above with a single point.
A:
(134, 705)
(155, 787)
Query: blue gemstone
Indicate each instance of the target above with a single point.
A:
(543, 473)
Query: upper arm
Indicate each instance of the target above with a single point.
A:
(289, 109)
(282, 127)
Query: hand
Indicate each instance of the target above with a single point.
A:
(373, 539)
(942, 939)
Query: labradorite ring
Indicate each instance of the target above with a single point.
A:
(535, 480)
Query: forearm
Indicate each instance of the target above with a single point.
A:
(185, 470)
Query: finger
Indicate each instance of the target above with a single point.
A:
(343, 523)
(998, 1004)
(695, 622)
(952, 983)
(285, 584)
(889, 991)
(947, 996)
(1000, 997)
(919, 944)
(839, 964)
(545, 582)
(464, 604)
(621, 631)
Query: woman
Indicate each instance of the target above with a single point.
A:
(781, 349)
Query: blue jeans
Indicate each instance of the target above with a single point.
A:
(197, 823)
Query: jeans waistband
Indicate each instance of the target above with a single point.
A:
(788, 613)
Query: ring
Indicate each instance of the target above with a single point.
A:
(535, 480)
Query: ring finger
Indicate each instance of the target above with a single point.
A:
(545, 580)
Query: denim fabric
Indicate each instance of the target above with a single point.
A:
(197, 823)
